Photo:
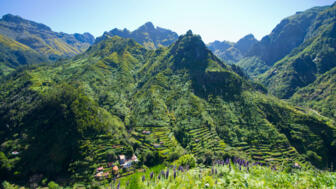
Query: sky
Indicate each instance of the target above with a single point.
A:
(212, 19)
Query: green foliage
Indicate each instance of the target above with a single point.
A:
(186, 160)
(312, 58)
(234, 177)
(42, 39)
(69, 118)
(14, 54)
(53, 185)
(319, 95)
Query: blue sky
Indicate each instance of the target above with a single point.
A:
(212, 19)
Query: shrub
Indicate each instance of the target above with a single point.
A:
(185, 160)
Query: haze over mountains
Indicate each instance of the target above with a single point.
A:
(81, 102)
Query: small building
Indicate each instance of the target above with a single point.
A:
(128, 164)
(115, 170)
(122, 159)
(134, 158)
(99, 169)
(146, 132)
(99, 175)
(297, 165)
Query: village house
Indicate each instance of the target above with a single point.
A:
(115, 170)
(146, 132)
(99, 169)
(130, 162)
(122, 159)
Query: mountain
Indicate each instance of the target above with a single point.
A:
(14, 54)
(232, 52)
(147, 35)
(42, 39)
(319, 95)
(67, 119)
(287, 35)
(245, 44)
(311, 59)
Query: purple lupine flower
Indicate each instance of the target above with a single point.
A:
(248, 168)
(167, 173)
(215, 171)
(174, 174)
(239, 167)
(151, 175)
(143, 178)
(159, 176)
(212, 170)
(118, 186)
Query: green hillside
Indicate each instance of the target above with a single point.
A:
(320, 95)
(315, 56)
(42, 39)
(67, 119)
(14, 54)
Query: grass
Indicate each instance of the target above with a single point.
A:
(230, 176)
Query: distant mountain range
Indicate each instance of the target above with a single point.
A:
(42, 39)
(147, 35)
(232, 52)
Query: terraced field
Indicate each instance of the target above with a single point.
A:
(270, 154)
(205, 139)
(160, 139)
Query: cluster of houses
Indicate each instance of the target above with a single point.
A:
(101, 172)
(146, 132)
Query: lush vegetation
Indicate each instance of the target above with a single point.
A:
(170, 106)
(223, 174)
(320, 95)
(14, 54)
(315, 56)
(64, 120)
(42, 39)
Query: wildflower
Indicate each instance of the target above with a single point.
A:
(174, 174)
(215, 171)
(167, 173)
(143, 178)
(212, 170)
(151, 175)
(118, 186)
(159, 177)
